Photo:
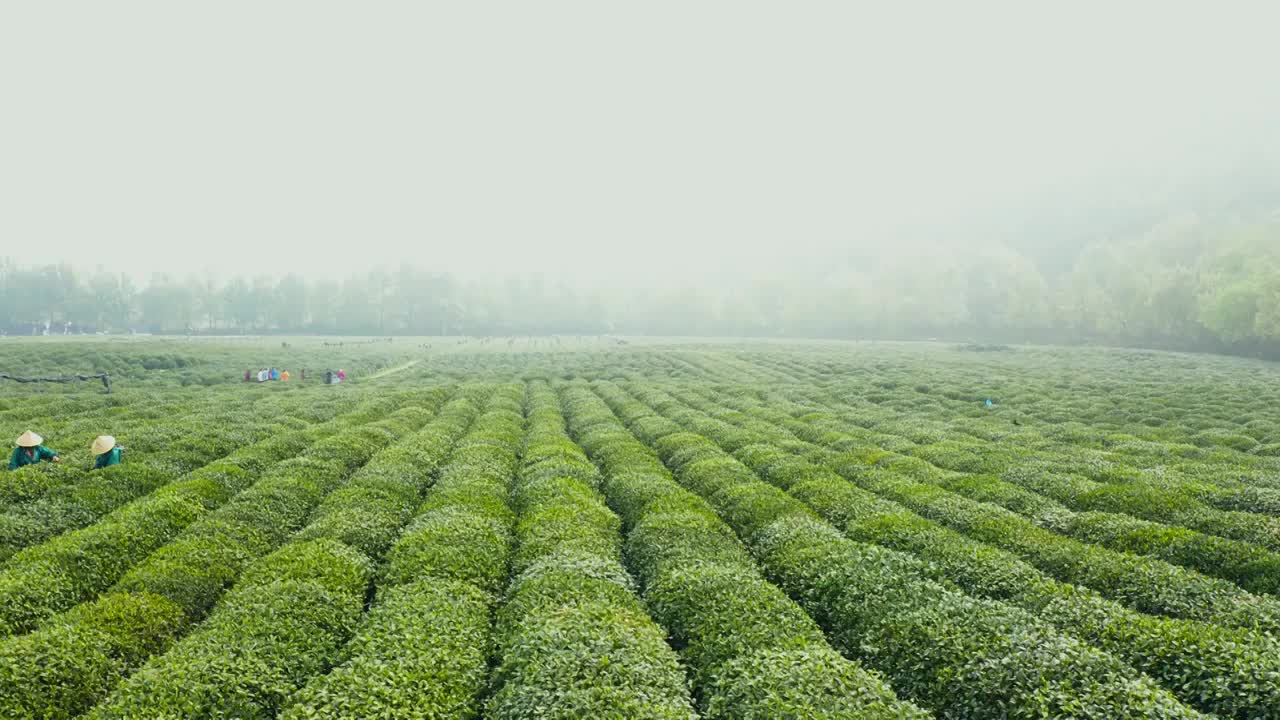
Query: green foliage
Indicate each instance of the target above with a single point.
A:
(814, 683)
(573, 639)
(1225, 671)
(454, 543)
(422, 652)
(846, 534)
(752, 651)
(186, 576)
(95, 644)
(298, 626)
(962, 656)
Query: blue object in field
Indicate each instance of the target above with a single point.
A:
(988, 402)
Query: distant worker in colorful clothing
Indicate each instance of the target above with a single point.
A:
(106, 452)
(342, 375)
(284, 376)
(30, 451)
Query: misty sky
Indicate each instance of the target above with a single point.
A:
(669, 140)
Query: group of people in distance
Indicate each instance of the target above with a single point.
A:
(31, 450)
(267, 374)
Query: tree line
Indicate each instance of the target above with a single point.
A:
(1181, 283)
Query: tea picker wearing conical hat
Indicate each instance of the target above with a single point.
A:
(106, 452)
(30, 451)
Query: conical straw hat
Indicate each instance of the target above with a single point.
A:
(103, 443)
(29, 439)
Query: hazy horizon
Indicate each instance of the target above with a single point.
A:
(665, 144)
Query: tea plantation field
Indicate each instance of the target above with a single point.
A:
(600, 528)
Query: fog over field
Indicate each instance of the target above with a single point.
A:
(783, 162)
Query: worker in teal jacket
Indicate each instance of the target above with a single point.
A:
(106, 452)
(30, 451)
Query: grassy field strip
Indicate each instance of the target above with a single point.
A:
(751, 651)
(1232, 673)
(962, 656)
(71, 434)
(57, 425)
(89, 495)
(77, 657)
(61, 407)
(393, 370)
(171, 363)
(572, 635)
(714, 367)
(423, 648)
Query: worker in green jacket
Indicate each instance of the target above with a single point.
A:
(30, 451)
(106, 452)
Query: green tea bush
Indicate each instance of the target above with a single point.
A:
(475, 553)
(1251, 567)
(1167, 505)
(190, 573)
(700, 583)
(1248, 566)
(573, 639)
(75, 506)
(76, 566)
(879, 604)
(329, 575)
(97, 643)
(282, 631)
(72, 568)
(423, 648)
(1218, 669)
(421, 652)
(1221, 670)
(962, 655)
(1147, 584)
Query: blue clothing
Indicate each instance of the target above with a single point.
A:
(110, 457)
(23, 457)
